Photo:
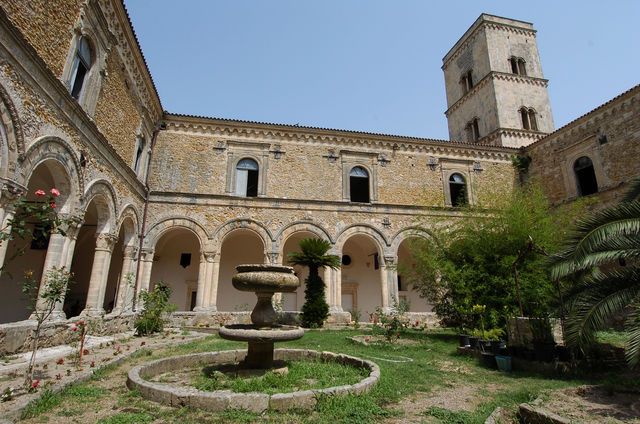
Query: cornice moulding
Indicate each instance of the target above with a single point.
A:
(131, 57)
(220, 132)
(460, 46)
(495, 75)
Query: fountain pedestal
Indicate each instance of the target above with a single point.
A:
(264, 281)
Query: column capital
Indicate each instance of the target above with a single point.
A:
(130, 252)
(10, 191)
(73, 223)
(211, 256)
(272, 256)
(147, 254)
(106, 241)
(390, 260)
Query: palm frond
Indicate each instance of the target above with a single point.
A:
(602, 297)
(632, 350)
(622, 247)
(633, 193)
(313, 253)
(598, 231)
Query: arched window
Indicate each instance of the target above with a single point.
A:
(139, 152)
(359, 184)
(585, 176)
(81, 66)
(472, 130)
(528, 117)
(247, 178)
(458, 190)
(518, 65)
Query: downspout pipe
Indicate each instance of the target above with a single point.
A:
(156, 130)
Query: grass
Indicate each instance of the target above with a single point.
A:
(612, 337)
(301, 376)
(429, 366)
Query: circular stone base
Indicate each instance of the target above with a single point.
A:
(252, 402)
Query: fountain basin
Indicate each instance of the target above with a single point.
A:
(250, 333)
(221, 400)
(265, 278)
(261, 340)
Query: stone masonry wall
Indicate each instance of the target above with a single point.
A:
(47, 25)
(298, 166)
(554, 156)
(117, 114)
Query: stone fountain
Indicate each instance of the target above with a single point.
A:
(264, 281)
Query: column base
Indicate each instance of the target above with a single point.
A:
(94, 312)
(205, 309)
(55, 316)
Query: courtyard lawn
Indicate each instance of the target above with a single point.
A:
(423, 381)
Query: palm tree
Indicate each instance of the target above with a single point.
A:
(602, 255)
(313, 255)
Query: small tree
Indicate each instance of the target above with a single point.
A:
(56, 284)
(313, 255)
(492, 256)
(156, 304)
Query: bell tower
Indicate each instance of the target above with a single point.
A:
(496, 93)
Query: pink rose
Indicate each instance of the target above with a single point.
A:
(55, 192)
(40, 193)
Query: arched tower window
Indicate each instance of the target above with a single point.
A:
(247, 178)
(81, 66)
(518, 65)
(458, 190)
(529, 121)
(473, 130)
(585, 176)
(359, 184)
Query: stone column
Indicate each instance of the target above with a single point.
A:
(205, 281)
(59, 255)
(392, 278)
(7, 214)
(144, 276)
(213, 275)
(126, 285)
(336, 279)
(99, 274)
(9, 194)
(384, 288)
(274, 258)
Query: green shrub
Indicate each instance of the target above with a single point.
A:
(156, 304)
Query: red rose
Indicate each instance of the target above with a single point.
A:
(40, 193)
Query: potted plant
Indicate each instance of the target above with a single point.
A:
(494, 337)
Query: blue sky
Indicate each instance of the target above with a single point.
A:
(368, 65)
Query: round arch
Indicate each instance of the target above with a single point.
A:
(129, 219)
(355, 229)
(102, 192)
(53, 148)
(12, 138)
(285, 232)
(242, 223)
(160, 228)
(407, 233)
